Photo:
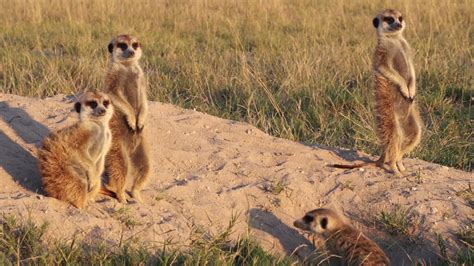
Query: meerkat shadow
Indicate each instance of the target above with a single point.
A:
(15, 159)
(290, 239)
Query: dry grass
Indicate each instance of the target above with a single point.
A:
(296, 69)
(23, 243)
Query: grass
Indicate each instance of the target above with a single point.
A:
(124, 215)
(296, 69)
(23, 242)
(467, 194)
(463, 256)
(467, 235)
(399, 221)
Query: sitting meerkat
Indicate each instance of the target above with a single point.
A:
(72, 159)
(126, 85)
(342, 239)
(399, 124)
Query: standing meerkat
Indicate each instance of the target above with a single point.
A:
(398, 119)
(72, 159)
(126, 85)
(342, 239)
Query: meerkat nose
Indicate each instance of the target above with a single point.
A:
(132, 53)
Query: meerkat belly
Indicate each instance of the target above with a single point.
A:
(401, 65)
(132, 90)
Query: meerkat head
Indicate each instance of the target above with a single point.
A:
(95, 106)
(319, 221)
(389, 22)
(125, 49)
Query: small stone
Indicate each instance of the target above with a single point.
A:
(433, 210)
(40, 197)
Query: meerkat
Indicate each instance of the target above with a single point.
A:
(72, 159)
(341, 239)
(399, 123)
(126, 85)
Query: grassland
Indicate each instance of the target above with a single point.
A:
(296, 69)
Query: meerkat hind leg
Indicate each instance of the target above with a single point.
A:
(94, 190)
(400, 166)
(412, 129)
(117, 169)
(392, 152)
(141, 163)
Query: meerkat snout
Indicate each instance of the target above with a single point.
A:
(125, 48)
(318, 221)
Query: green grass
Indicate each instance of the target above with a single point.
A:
(296, 69)
(23, 242)
(399, 221)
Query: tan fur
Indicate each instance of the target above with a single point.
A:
(126, 85)
(72, 159)
(398, 119)
(342, 239)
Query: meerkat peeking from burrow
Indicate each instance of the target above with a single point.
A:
(72, 159)
(126, 85)
(341, 239)
(399, 124)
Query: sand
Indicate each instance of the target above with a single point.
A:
(207, 170)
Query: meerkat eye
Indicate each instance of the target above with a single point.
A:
(389, 20)
(324, 223)
(106, 103)
(91, 104)
(135, 45)
(308, 219)
(122, 46)
(400, 19)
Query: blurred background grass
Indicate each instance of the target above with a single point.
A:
(296, 69)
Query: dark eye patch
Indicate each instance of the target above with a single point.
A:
(122, 46)
(324, 223)
(106, 103)
(400, 19)
(91, 104)
(135, 45)
(308, 219)
(389, 20)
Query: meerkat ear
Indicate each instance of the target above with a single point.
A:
(324, 223)
(77, 107)
(376, 22)
(110, 47)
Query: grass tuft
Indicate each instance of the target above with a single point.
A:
(399, 221)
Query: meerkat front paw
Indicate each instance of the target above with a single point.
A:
(140, 124)
(405, 92)
(132, 123)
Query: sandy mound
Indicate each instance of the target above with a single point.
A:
(206, 169)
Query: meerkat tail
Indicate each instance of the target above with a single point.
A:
(105, 191)
(359, 165)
